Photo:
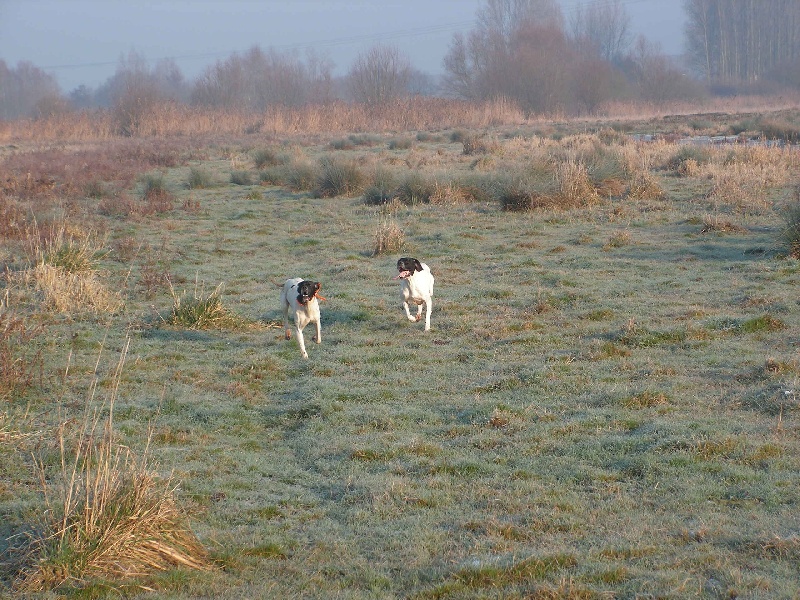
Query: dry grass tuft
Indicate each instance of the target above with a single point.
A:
(64, 291)
(202, 311)
(791, 230)
(389, 237)
(713, 223)
(575, 186)
(449, 194)
(66, 273)
(645, 186)
(109, 516)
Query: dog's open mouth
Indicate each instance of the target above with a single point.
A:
(403, 274)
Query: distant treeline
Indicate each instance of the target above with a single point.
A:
(520, 50)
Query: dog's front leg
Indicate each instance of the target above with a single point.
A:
(408, 312)
(318, 337)
(301, 341)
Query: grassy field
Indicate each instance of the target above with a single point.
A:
(606, 405)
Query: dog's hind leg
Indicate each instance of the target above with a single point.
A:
(428, 308)
(285, 307)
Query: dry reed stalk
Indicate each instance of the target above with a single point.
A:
(644, 186)
(170, 119)
(574, 186)
(741, 187)
(389, 237)
(67, 292)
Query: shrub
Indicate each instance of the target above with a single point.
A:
(415, 188)
(157, 197)
(301, 176)
(400, 144)
(241, 178)
(791, 230)
(699, 155)
(458, 136)
(479, 145)
(199, 179)
(779, 129)
(338, 178)
(449, 193)
(575, 189)
(267, 157)
(382, 188)
(644, 186)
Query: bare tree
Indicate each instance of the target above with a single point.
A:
(23, 88)
(259, 79)
(740, 41)
(476, 64)
(379, 75)
(602, 29)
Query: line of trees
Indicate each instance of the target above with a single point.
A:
(730, 42)
(522, 50)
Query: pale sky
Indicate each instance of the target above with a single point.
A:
(81, 41)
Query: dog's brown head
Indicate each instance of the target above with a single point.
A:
(306, 290)
(406, 267)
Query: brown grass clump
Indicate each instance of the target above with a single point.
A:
(575, 189)
(66, 273)
(389, 237)
(13, 218)
(739, 187)
(718, 225)
(474, 144)
(449, 194)
(109, 517)
(65, 292)
(645, 186)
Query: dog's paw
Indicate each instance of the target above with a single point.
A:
(419, 318)
(305, 354)
(288, 334)
(319, 341)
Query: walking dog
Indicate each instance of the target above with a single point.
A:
(300, 298)
(416, 285)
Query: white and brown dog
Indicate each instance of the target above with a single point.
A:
(416, 286)
(300, 298)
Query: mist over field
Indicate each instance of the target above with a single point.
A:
(606, 403)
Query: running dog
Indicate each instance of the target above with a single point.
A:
(416, 286)
(299, 297)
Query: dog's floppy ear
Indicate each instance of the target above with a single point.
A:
(417, 265)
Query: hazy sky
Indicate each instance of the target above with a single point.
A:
(81, 41)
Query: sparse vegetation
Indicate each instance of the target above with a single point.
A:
(606, 405)
(111, 517)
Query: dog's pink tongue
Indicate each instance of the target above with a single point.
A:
(402, 275)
